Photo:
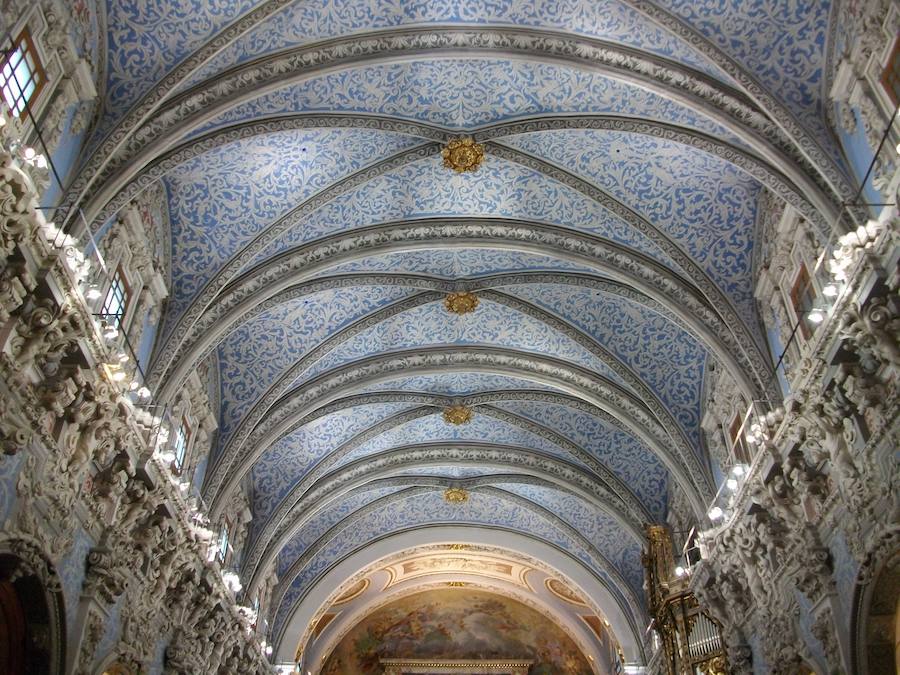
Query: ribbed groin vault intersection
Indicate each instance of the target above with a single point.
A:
(394, 337)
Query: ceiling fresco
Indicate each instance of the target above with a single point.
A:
(293, 149)
(457, 624)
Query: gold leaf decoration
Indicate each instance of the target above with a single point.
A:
(456, 495)
(463, 154)
(461, 303)
(458, 414)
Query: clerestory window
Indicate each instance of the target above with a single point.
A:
(115, 304)
(222, 553)
(22, 76)
(182, 440)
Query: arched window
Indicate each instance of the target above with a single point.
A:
(31, 622)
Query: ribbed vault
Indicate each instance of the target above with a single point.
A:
(610, 236)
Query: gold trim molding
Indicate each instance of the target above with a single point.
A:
(448, 667)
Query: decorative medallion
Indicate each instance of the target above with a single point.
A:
(458, 414)
(463, 154)
(456, 495)
(456, 584)
(461, 303)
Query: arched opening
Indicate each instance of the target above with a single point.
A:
(879, 631)
(30, 628)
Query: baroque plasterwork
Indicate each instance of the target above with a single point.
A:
(460, 562)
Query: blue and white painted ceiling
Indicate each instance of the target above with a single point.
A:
(609, 236)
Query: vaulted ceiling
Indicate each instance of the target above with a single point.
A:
(609, 236)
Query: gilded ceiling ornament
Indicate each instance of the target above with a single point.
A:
(461, 303)
(456, 584)
(458, 414)
(456, 495)
(463, 154)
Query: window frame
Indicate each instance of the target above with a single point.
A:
(222, 553)
(37, 75)
(119, 279)
(803, 283)
(737, 443)
(183, 431)
(890, 74)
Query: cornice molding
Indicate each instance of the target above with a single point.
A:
(129, 148)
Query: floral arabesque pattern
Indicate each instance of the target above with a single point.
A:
(494, 90)
(221, 199)
(636, 335)
(433, 429)
(492, 324)
(702, 202)
(307, 21)
(422, 509)
(286, 461)
(625, 455)
(500, 188)
(253, 356)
